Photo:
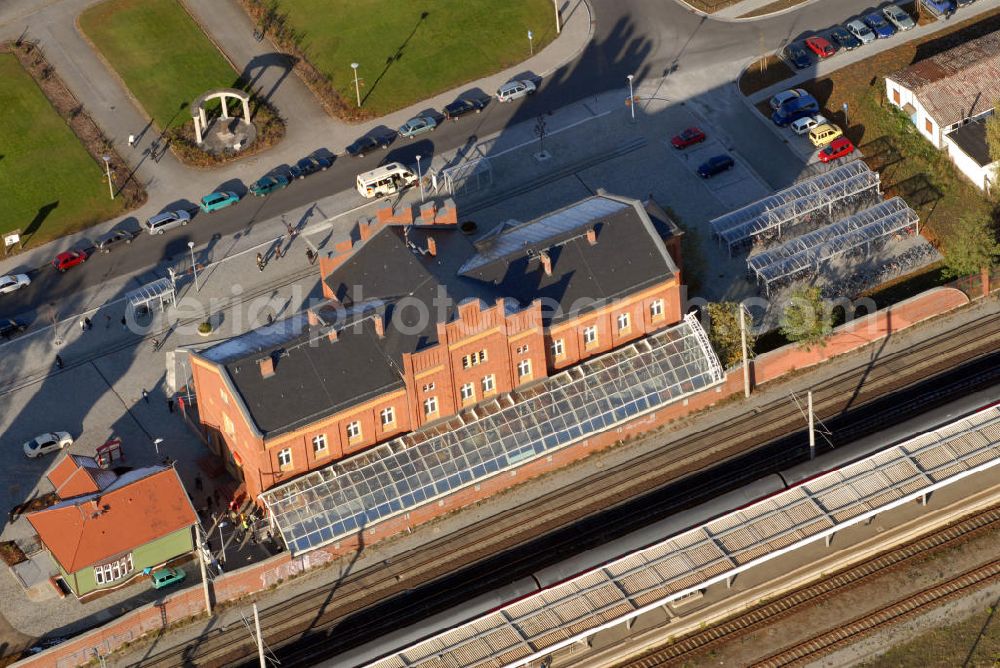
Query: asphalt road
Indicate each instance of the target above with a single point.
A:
(650, 38)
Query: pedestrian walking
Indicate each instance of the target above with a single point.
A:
(145, 395)
(170, 405)
(270, 318)
(107, 324)
(131, 141)
(156, 343)
(59, 362)
(310, 256)
(88, 324)
(260, 262)
(83, 326)
(291, 231)
(124, 323)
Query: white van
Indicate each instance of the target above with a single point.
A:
(385, 180)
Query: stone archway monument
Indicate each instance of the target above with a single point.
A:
(226, 132)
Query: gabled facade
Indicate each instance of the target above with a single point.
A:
(422, 323)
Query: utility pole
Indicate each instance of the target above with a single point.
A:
(107, 169)
(631, 96)
(204, 573)
(743, 344)
(357, 86)
(812, 429)
(555, 4)
(260, 641)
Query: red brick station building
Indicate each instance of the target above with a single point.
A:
(425, 319)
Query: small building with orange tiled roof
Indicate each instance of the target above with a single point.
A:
(108, 528)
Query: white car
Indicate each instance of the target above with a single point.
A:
(46, 443)
(515, 89)
(861, 31)
(898, 17)
(12, 282)
(784, 96)
(804, 125)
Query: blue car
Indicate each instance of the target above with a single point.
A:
(798, 56)
(794, 109)
(218, 200)
(269, 184)
(941, 6)
(879, 25)
(309, 165)
(715, 165)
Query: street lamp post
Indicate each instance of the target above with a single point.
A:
(156, 444)
(357, 87)
(420, 180)
(107, 169)
(555, 4)
(194, 267)
(631, 97)
(531, 43)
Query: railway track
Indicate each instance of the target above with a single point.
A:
(611, 487)
(686, 648)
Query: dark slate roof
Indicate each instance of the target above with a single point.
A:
(313, 376)
(958, 83)
(971, 138)
(629, 256)
(393, 274)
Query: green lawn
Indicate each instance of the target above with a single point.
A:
(160, 52)
(403, 58)
(50, 184)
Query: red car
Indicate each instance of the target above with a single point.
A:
(838, 148)
(689, 137)
(68, 259)
(821, 47)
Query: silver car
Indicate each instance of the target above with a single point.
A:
(898, 17)
(46, 443)
(515, 89)
(861, 31)
(12, 282)
(167, 220)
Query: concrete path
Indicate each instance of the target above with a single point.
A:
(746, 6)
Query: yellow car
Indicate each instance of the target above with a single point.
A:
(821, 135)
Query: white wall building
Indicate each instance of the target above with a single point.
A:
(948, 97)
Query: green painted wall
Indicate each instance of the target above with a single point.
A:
(148, 555)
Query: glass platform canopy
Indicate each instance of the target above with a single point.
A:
(355, 493)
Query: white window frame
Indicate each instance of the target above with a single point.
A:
(285, 454)
(388, 416)
(467, 392)
(430, 406)
(558, 348)
(353, 430)
(319, 444)
(428, 387)
(524, 369)
(656, 308)
(624, 322)
(489, 384)
(113, 571)
(590, 335)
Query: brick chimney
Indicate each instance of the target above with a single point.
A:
(266, 366)
(379, 326)
(592, 236)
(546, 262)
(432, 246)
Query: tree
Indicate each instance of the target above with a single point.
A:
(973, 246)
(805, 319)
(724, 332)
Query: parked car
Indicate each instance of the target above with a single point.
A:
(965, 3)
(46, 443)
(512, 90)
(798, 56)
(417, 126)
(820, 46)
(310, 165)
(715, 165)
(882, 28)
(268, 184)
(688, 137)
(13, 282)
(463, 106)
(370, 142)
(838, 148)
(69, 259)
(106, 242)
(898, 17)
(844, 39)
(779, 100)
(807, 123)
(795, 109)
(10, 327)
(940, 6)
(165, 577)
(862, 32)
(167, 220)
(218, 200)
(821, 135)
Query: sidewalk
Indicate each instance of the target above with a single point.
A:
(746, 6)
(309, 128)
